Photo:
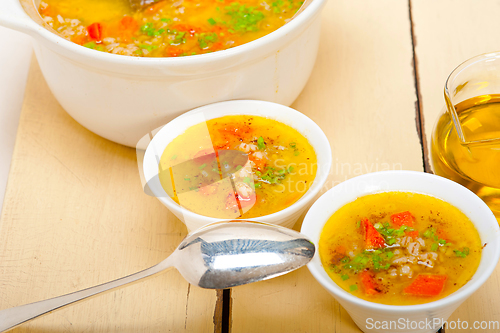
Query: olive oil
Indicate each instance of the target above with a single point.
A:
(474, 165)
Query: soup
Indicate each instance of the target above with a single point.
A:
(199, 172)
(166, 28)
(400, 248)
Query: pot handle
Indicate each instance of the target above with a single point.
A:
(13, 16)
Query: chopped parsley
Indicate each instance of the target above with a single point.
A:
(243, 18)
(148, 47)
(260, 143)
(94, 46)
(378, 260)
(206, 39)
(391, 234)
(462, 254)
(273, 176)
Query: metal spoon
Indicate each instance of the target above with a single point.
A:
(218, 256)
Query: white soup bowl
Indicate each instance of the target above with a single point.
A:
(286, 217)
(422, 318)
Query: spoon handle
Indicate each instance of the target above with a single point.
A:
(10, 318)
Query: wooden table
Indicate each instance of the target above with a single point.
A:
(75, 215)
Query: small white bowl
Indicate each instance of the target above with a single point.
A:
(365, 313)
(286, 217)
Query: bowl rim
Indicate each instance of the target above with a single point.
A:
(317, 270)
(319, 180)
(301, 19)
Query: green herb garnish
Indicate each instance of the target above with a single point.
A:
(462, 254)
(260, 143)
(243, 18)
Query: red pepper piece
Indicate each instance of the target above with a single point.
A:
(95, 31)
(373, 239)
(426, 285)
(371, 287)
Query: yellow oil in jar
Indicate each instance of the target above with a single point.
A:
(477, 165)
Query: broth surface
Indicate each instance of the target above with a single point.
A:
(166, 28)
(280, 168)
(400, 248)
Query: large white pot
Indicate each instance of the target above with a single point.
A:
(122, 98)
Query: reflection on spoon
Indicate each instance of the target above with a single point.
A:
(218, 256)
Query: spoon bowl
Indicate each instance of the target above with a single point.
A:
(218, 256)
(230, 254)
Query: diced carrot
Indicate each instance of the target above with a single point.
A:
(373, 239)
(174, 51)
(259, 163)
(442, 234)
(95, 31)
(371, 287)
(127, 27)
(128, 23)
(79, 39)
(216, 46)
(412, 234)
(404, 218)
(426, 285)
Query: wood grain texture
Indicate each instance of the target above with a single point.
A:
(448, 32)
(362, 94)
(75, 216)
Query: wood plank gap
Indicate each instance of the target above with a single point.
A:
(226, 311)
(419, 115)
(219, 306)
